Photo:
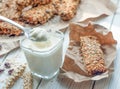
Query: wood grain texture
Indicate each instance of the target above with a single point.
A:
(2, 58)
(113, 80)
(63, 83)
(19, 56)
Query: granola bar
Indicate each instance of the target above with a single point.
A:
(66, 9)
(24, 3)
(15, 75)
(92, 54)
(41, 2)
(8, 9)
(28, 80)
(8, 29)
(40, 14)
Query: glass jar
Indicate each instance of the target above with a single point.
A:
(44, 62)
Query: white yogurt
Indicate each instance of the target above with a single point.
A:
(38, 34)
(44, 57)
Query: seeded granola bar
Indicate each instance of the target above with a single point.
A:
(14, 76)
(24, 3)
(8, 29)
(28, 80)
(21, 4)
(8, 8)
(41, 2)
(92, 54)
(66, 8)
(40, 14)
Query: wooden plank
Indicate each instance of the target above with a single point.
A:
(83, 85)
(56, 83)
(19, 56)
(116, 21)
(102, 84)
(113, 81)
(115, 1)
(107, 20)
(119, 4)
(2, 59)
(13, 54)
(64, 83)
(118, 10)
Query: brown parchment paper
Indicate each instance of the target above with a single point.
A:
(73, 66)
(87, 10)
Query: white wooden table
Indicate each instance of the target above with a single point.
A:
(112, 82)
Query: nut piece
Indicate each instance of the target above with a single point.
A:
(7, 65)
(92, 54)
(28, 80)
(10, 71)
(1, 71)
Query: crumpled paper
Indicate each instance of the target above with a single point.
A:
(7, 44)
(6, 47)
(73, 66)
(87, 10)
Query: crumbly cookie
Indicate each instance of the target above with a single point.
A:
(21, 4)
(41, 2)
(10, 30)
(24, 3)
(8, 8)
(66, 8)
(40, 14)
(92, 54)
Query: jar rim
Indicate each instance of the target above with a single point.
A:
(46, 51)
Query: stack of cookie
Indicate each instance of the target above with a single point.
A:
(41, 11)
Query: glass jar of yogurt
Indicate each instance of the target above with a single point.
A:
(44, 57)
